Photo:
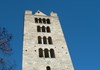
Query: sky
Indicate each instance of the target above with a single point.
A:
(80, 21)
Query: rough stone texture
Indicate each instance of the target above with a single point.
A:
(31, 59)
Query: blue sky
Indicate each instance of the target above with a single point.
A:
(80, 21)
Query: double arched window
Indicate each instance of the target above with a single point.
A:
(46, 53)
(44, 40)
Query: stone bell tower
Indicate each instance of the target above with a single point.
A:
(44, 46)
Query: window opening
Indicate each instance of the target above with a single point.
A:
(48, 21)
(48, 29)
(48, 68)
(43, 28)
(39, 40)
(44, 40)
(38, 29)
(49, 40)
(44, 20)
(52, 53)
(40, 52)
(40, 20)
(36, 20)
(46, 53)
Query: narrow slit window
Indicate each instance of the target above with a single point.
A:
(40, 52)
(39, 40)
(38, 29)
(48, 29)
(48, 68)
(48, 21)
(50, 40)
(46, 53)
(52, 53)
(36, 20)
(44, 40)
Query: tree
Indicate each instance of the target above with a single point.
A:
(5, 39)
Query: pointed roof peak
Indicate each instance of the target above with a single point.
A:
(40, 13)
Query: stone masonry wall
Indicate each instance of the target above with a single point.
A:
(31, 59)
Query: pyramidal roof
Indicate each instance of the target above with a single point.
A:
(40, 13)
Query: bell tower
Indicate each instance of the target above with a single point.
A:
(44, 46)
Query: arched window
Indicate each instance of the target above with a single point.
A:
(40, 20)
(43, 28)
(46, 53)
(52, 53)
(40, 52)
(36, 20)
(48, 68)
(49, 40)
(38, 29)
(39, 40)
(48, 29)
(44, 40)
(44, 20)
(48, 21)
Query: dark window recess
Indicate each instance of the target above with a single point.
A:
(38, 29)
(52, 53)
(38, 12)
(48, 68)
(40, 20)
(36, 20)
(50, 40)
(46, 53)
(40, 52)
(48, 29)
(48, 21)
(44, 40)
(43, 28)
(44, 20)
(39, 40)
